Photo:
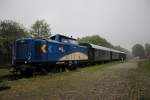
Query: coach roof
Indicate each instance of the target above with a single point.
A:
(99, 47)
(105, 48)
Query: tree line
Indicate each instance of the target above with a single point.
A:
(12, 30)
(140, 51)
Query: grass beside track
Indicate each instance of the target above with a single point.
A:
(37, 84)
(144, 64)
(4, 72)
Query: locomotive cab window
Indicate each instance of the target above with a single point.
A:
(73, 42)
(53, 38)
(64, 40)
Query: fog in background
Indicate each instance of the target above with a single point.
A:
(121, 22)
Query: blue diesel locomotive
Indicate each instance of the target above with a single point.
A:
(58, 50)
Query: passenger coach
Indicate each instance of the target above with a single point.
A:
(102, 54)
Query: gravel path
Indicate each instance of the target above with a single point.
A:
(119, 82)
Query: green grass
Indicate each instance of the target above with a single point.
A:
(58, 78)
(98, 67)
(93, 68)
(4, 71)
(144, 64)
(68, 75)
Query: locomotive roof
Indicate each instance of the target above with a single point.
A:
(63, 36)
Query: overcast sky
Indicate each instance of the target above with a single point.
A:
(121, 22)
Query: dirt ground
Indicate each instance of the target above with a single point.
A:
(124, 81)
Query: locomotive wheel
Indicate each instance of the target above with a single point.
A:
(44, 71)
(55, 69)
(63, 68)
(27, 72)
(72, 65)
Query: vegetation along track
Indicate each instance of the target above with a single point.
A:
(124, 81)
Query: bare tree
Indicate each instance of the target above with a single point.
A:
(40, 29)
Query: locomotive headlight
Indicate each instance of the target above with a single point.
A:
(25, 62)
